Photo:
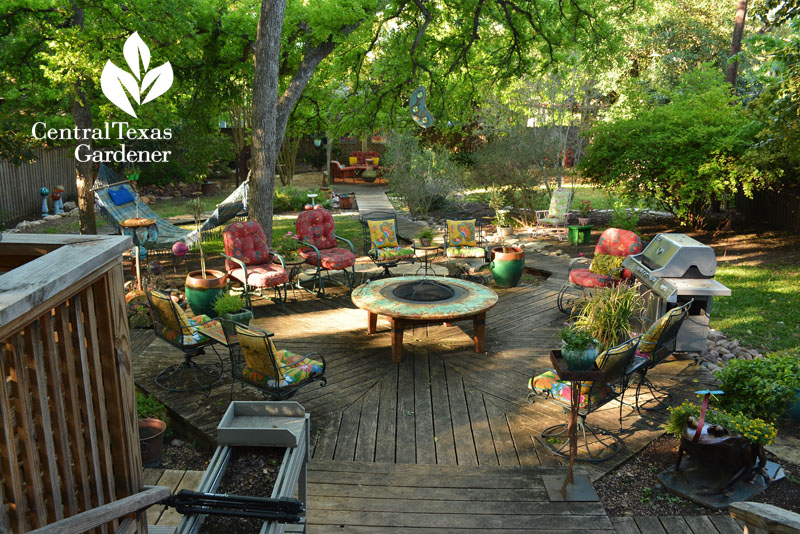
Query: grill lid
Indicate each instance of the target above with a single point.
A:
(678, 256)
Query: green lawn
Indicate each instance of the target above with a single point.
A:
(763, 310)
(600, 198)
(180, 206)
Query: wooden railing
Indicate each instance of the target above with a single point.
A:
(69, 437)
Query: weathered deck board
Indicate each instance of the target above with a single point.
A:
(689, 524)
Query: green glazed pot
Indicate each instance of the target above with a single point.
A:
(507, 267)
(202, 292)
(243, 317)
(579, 360)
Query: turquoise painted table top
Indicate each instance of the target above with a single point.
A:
(469, 299)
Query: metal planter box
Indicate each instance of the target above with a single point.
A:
(262, 424)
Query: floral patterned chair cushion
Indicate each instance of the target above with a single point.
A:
(651, 337)
(559, 207)
(331, 258)
(382, 233)
(392, 253)
(245, 241)
(612, 242)
(287, 368)
(465, 252)
(548, 383)
(586, 278)
(461, 234)
(316, 227)
(175, 326)
(262, 275)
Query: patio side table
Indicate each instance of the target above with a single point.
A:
(579, 235)
(426, 255)
(576, 379)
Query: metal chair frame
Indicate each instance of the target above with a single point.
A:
(247, 289)
(555, 438)
(171, 377)
(543, 214)
(237, 363)
(386, 264)
(480, 240)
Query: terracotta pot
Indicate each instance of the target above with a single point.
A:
(345, 201)
(505, 231)
(151, 439)
(202, 292)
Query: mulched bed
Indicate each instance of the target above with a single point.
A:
(633, 488)
(251, 471)
(182, 455)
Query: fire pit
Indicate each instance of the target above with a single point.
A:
(410, 301)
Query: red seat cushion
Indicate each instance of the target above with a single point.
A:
(262, 275)
(586, 278)
(330, 258)
(245, 241)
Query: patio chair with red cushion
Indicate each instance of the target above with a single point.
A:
(316, 232)
(248, 260)
(341, 172)
(606, 267)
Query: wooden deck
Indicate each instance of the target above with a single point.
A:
(444, 407)
(380, 498)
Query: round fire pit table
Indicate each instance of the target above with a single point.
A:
(411, 301)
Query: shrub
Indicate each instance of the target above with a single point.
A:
(149, 406)
(761, 388)
(624, 218)
(424, 177)
(291, 198)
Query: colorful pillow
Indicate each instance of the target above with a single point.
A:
(175, 320)
(353, 161)
(606, 264)
(465, 252)
(296, 369)
(382, 233)
(650, 339)
(392, 253)
(461, 233)
(375, 161)
(120, 196)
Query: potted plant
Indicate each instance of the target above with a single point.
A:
(607, 314)
(203, 287)
(151, 414)
(231, 309)
(578, 347)
(507, 265)
(585, 212)
(502, 219)
(425, 236)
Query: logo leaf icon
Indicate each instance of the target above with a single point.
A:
(161, 78)
(112, 82)
(134, 49)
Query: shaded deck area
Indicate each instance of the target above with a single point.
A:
(443, 412)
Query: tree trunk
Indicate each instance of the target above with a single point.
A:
(736, 42)
(266, 138)
(84, 172)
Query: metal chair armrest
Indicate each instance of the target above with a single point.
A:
(349, 244)
(237, 261)
(316, 250)
(573, 263)
(280, 259)
(541, 213)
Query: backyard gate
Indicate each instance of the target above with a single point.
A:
(69, 439)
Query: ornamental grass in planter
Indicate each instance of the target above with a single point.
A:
(607, 314)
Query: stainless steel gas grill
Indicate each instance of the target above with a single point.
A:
(678, 269)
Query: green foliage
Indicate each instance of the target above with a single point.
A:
(753, 429)
(291, 198)
(622, 217)
(576, 339)
(762, 387)
(680, 153)
(424, 177)
(228, 303)
(149, 406)
(162, 173)
(286, 244)
(608, 312)
(425, 233)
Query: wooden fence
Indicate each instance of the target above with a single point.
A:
(69, 436)
(20, 184)
(779, 209)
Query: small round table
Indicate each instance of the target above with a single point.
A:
(426, 255)
(470, 301)
(142, 232)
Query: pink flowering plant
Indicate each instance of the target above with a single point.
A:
(586, 208)
(287, 245)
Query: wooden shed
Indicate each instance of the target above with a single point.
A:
(69, 438)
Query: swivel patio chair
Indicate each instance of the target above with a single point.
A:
(317, 235)
(464, 239)
(171, 324)
(600, 445)
(250, 262)
(606, 267)
(379, 230)
(558, 213)
(277, 373)
(656, 345)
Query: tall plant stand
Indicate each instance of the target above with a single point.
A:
(570, 487)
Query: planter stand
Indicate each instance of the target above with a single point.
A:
(266, 424)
